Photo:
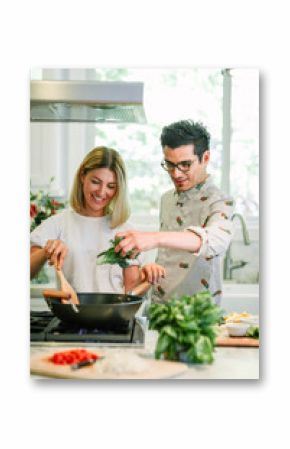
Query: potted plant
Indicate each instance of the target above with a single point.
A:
(187, 328)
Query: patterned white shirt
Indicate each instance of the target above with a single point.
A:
(205, 210)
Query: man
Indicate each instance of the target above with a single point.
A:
(195, 219)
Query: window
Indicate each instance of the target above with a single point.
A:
(244, 167)
(170, 94)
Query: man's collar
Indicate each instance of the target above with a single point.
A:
(194, 190)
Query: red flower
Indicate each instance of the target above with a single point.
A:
(33, 210)
(42, 206)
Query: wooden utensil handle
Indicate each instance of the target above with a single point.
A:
(58, 294)
(141, 289)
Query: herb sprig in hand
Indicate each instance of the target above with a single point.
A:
(111, 257)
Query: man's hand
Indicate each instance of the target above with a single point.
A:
(136, 241)
(152, 272)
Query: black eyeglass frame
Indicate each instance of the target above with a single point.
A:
(178, 165)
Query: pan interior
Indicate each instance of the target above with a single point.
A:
(107, 298)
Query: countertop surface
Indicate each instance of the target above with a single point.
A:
(229, 362)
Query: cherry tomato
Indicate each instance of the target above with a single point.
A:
(73, 356)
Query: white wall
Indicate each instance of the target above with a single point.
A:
(56, 151)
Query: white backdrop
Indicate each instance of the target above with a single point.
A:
(112, 33)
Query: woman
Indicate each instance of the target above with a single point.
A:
(72, 239)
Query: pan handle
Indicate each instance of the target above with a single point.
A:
(58, 294)
(140, 289)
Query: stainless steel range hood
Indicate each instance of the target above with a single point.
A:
(87, 101)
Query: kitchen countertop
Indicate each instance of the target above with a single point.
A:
(229, 362)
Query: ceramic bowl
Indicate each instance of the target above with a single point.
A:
(253, 320)
(237, 329)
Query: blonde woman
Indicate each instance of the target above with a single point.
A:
(72, 239)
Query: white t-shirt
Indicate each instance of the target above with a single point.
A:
(85, 238)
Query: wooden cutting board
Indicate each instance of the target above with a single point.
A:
(237, 341)
(154, 369)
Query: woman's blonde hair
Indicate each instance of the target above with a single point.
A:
(103, 157)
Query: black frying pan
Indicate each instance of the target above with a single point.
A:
(95, 310)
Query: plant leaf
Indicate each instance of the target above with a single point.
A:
(163, 344)
(111, 257)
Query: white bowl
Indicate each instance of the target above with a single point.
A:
(253, 320)
(237, 329)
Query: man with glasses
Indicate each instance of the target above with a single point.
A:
(195, 219)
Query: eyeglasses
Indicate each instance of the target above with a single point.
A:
(182, 166)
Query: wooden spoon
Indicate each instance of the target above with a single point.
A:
(66, 287)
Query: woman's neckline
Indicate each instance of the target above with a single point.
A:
(90, 217)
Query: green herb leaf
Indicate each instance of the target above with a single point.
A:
(169, 330)
(203, 349)
(111, 257)
(253, 331)
(162, 344)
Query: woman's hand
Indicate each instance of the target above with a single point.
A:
(152, 272)
(56, 251)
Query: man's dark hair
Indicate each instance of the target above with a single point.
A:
(186, 132)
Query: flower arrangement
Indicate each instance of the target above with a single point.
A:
(42, 206)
